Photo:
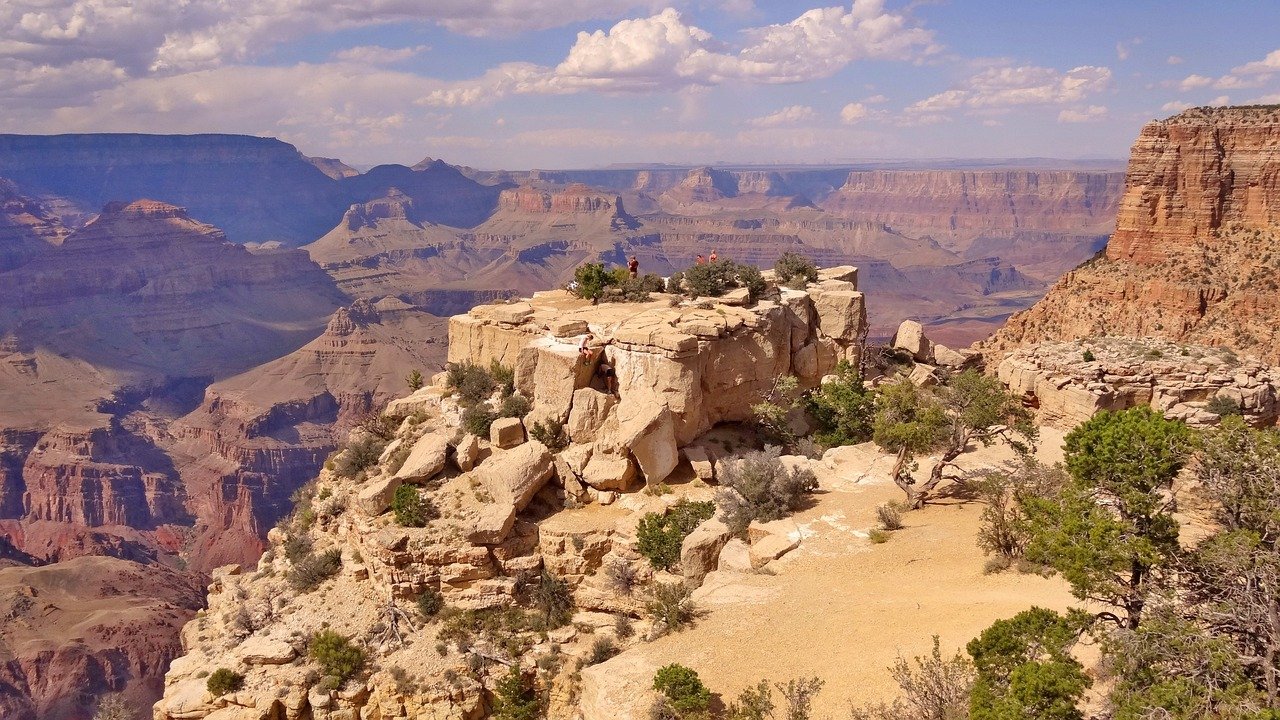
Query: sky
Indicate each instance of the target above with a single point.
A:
(520, 84)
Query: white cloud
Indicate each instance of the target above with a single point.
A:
(1220, 101)
(330, 105)
(786, 116)
(1269, 64)
(876, 100)
(1124, 48)
(1175, 106)
(1272, 99)
(643, 52)
(1092, 113)
(27, 84)
(1174, 60)
(378, 55)
(948, 100)
(852, 113)
(171, 35)
(1235, 82)
(663, 51)
(1191, 82)
(1005, 86)
(910, 119)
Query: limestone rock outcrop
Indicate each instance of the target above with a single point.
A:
(1193, 258)
(1069, 382)
(681, 367)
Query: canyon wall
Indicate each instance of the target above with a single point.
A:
(1196, 251)
(256, 189)
(1195, 174)
(990, 208)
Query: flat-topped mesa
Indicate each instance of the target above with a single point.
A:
(682, 366)
(1070, 382)
(1194, 173)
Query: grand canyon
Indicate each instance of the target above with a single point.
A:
(183, 349)
(573, 419)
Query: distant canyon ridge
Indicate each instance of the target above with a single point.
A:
(188, 322)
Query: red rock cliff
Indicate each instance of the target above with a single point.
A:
(1193, 174)
(1196, 253)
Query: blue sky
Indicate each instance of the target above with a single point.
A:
(583, 83)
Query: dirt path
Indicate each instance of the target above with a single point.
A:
(838, 607)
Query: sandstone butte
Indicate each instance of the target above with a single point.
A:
(1194, 257)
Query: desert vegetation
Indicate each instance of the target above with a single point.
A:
(758, 486)
(595, 282)
(474, 387)
(659, 535)
(795, 271)
(1180, 627)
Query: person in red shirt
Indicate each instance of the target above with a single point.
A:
(633, 266)
(713, 257)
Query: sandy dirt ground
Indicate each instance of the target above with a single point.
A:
(839, 607)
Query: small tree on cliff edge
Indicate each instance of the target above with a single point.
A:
(971, 407)
(1112, 527)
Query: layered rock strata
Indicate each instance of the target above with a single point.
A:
(1197, 244)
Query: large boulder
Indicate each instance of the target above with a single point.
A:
(650, 434)
(735, 556)
(910, 338)
(842, 314)
(506, 433)
(841, 273)
(607, 471)
(558, 372)
(700, 550)
(512, 478)
(805, 362)
(265, 651)
(375, 497)
(515, 476)
(590, 409)
(423, 400)
(702, 462)
(467, 452)
(771, 547)
(427, 458)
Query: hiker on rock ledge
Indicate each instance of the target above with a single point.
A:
(606, 372)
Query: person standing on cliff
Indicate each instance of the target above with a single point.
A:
(633, 266)
(713, 257)
(699, 260)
